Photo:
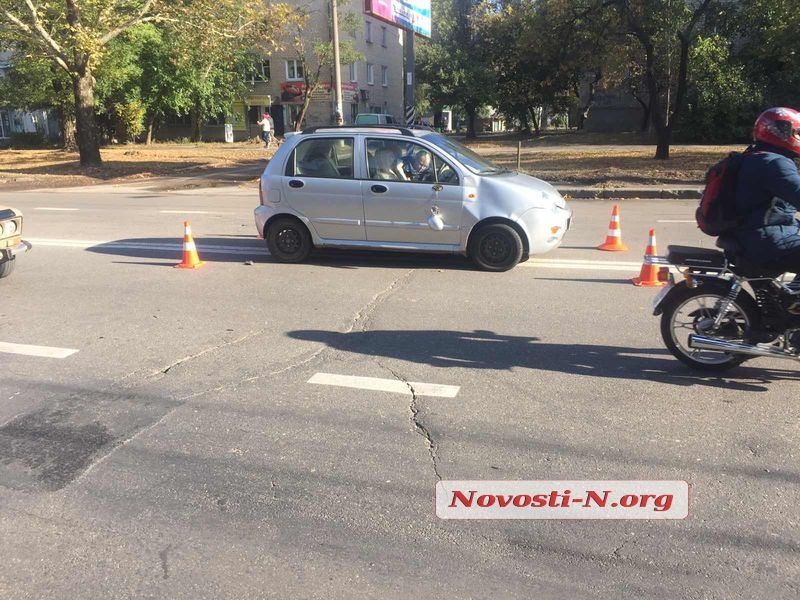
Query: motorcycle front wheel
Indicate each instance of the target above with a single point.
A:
(693, 311)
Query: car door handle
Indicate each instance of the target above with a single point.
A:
(296, 183)
(438, 187)
(379, 189)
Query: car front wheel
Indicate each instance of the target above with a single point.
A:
(496, 247)
(288, 240)
(7, 266)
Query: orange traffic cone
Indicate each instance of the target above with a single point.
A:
(614, 238)
(651, 274)
(190, 258)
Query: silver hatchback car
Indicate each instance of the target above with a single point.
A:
(397, 188)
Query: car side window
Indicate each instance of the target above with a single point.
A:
(444, 173)
(423, 166)
(322, 157)
(384, 160)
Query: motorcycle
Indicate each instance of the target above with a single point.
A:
(725, 310)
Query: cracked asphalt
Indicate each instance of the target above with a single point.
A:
(183, 453)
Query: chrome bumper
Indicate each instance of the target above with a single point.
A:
(23, 246)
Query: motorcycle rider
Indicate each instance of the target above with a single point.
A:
(768, 194)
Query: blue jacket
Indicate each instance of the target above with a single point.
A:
(768, 196)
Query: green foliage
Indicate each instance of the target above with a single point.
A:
(769, 31)
(129, 119)
(721, 101)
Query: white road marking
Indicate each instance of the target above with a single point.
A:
(53, 208)
(386, 385)
(41, 351)
(194, 212)
(586, 265)
(177, 246)
(674, 221)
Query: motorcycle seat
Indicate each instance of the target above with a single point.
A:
(695, 257)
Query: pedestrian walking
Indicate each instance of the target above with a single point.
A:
(266, 129)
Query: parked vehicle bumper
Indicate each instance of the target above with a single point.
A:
(19, 248)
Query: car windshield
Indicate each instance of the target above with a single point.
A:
(467, 157)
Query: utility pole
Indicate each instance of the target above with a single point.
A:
(337, 71)
(408, 42)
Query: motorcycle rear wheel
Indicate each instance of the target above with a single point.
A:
(693, 311)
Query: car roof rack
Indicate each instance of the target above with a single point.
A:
(403, 129)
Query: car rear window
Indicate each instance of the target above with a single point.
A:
(322, 157)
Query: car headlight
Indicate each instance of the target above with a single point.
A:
(9, 228)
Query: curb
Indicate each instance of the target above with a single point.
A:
(631, 193)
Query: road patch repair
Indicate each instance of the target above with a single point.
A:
(386, 385)
(48, 448)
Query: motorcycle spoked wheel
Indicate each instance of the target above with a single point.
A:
(694, 311)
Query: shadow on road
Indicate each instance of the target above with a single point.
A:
(487, 350)
(229, 248)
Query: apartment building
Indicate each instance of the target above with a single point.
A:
(373, 84)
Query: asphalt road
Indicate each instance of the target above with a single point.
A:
(181, 448)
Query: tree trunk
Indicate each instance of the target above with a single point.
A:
(67, 123)
(197, 126)
(472, 113)
(583, 112)
(88, 140)
(645, 122)
(150, 128)
(311, 86)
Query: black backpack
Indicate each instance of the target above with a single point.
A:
(717, 211)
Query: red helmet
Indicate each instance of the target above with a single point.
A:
(779, 127)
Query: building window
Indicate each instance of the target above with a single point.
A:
(259, 72)
(353, 72)
(384, 76)
(294, 70)
(368, 32)
(383, 36)
(370, 74)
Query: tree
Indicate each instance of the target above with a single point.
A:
(75, 34)
(454, 62)
(541, 54)
(665, 30)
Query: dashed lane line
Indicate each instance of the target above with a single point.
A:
(40, 351)
(386, 385)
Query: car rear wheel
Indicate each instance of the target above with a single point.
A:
(7, 266)
(496, 247)
(288, 240)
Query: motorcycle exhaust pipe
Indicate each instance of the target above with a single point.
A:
(702, 342)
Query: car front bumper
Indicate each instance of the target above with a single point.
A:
(19, 248)
(546, 227)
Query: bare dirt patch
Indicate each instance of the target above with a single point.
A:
(580, 159)
(21, 169)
